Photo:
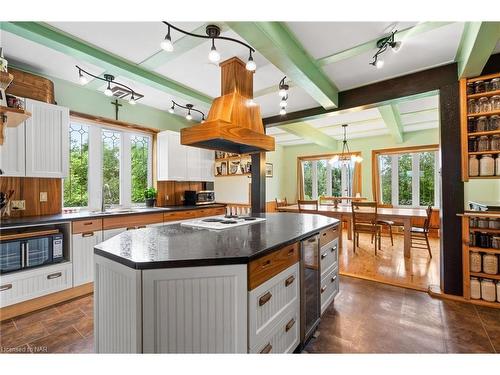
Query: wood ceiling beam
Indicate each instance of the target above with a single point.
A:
(478, 42)
(371, 45)
(50, 37)
(311, 134)
(278, 45)
(392, 119)
(422, 83)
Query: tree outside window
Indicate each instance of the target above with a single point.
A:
(76, 184)
(140, 156)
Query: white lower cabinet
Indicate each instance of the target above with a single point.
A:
(25, 285)
(329, 288)
(268, 302)
(83, 256)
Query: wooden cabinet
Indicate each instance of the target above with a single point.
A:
(47, 140)
(25, 285)
(83, 256)
(182, 163)
(40, 146)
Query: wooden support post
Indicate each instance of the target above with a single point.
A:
(3, 121)
(258, 182)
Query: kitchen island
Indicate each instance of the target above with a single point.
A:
(181, 289)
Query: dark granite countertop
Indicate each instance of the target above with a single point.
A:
(180, 246)
(82, 215)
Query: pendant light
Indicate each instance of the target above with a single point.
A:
(251, 66)
(283, 93)
(108, 91)
(346, 155)
(214, 55)
(82, 79)
(166, 44)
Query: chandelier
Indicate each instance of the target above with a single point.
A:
(213, 33)
(346, 154)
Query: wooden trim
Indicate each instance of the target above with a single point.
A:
(392, 151)
(465, 257)
(18, 236)
(382, 281)
(85, 226)
(484, 78)
(45, 301)
(113, 123)
(436, 292)
(326, 156)
(130, 221)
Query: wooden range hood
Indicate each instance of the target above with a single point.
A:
(234, 123)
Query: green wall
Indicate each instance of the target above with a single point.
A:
(93, 102)
(365, 145)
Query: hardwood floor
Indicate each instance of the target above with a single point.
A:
(367, 317)
(370, 317)
(389, 265)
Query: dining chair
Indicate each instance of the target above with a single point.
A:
(304, 203)
(281, 202)
(365, 220)
(420, 235)
(388, 223)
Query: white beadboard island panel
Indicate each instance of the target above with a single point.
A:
(195, 310)
(117, 307)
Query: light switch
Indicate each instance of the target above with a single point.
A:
(43, 196)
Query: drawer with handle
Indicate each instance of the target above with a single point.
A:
(329, 288)
(328, 256)
(25, 285)
(86, 226)
(283, 337)
(267, 302)
(328, 235)
(262, 269)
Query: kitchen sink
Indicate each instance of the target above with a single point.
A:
(116, 211)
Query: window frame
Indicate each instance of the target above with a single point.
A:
(95, 162)
(314, 159)
(395, 153)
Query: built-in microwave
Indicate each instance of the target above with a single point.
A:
(196, 198)
(18, 254)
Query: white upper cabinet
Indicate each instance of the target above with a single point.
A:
(47, 140)
(12, 160)
(182, 163)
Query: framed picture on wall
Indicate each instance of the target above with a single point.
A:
(269, 170)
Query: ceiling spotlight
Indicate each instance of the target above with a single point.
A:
(166, 44)
(396, 46)
(382, 45)
(379, 64)
(189, 117)
(203, 119)
(108, 91)
(214, 55)
(282, 111)
(283, 102)
(251, 66)
(83, 80)
(189, 107)
(171, 109)
(132, 100)
(283, 88)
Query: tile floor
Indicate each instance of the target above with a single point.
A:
(367, 317)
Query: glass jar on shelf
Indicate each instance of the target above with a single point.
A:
(475, 261)
(497, 166)
(495, 242)
(471, 125)
(490, 264)
(475, 288)
(495, 142)
(473, 224)
(494, 123)
(472, 106)
(482, 124)
(473, 166)
(488, 292)
(483, 222)
(494, 223)
(495, 102)
(472, 144)
(484, 104)
(495, 84)
(483, 143)
(479, 87)
(470, 88)
(487, 165)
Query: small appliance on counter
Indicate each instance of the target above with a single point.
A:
(197, 198)
(30, 249)
(484, 206)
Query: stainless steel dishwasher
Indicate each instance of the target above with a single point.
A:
(310, 302)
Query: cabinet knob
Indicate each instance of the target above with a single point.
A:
(289, 280)
(323, 289)
(267, 349)
(265, 298)
(333, 279)
(323, 256)
(334, 248)
(289, 325)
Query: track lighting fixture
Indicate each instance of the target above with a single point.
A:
(120, 90)
(283, 92)
(190, 108)
(382, 45)
(166, 44)
(213, 32)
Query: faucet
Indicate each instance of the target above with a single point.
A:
(103, 202)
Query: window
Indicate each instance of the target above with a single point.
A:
(102, 157)
(408, 178)
(322, 177)
(76, 184)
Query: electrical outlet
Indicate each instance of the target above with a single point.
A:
(43, 196)
(18, 205)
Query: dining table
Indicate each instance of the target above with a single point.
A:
(399, 215)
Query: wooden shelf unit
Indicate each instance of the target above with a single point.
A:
(467, 248)
(465, 135)
(228, 160)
